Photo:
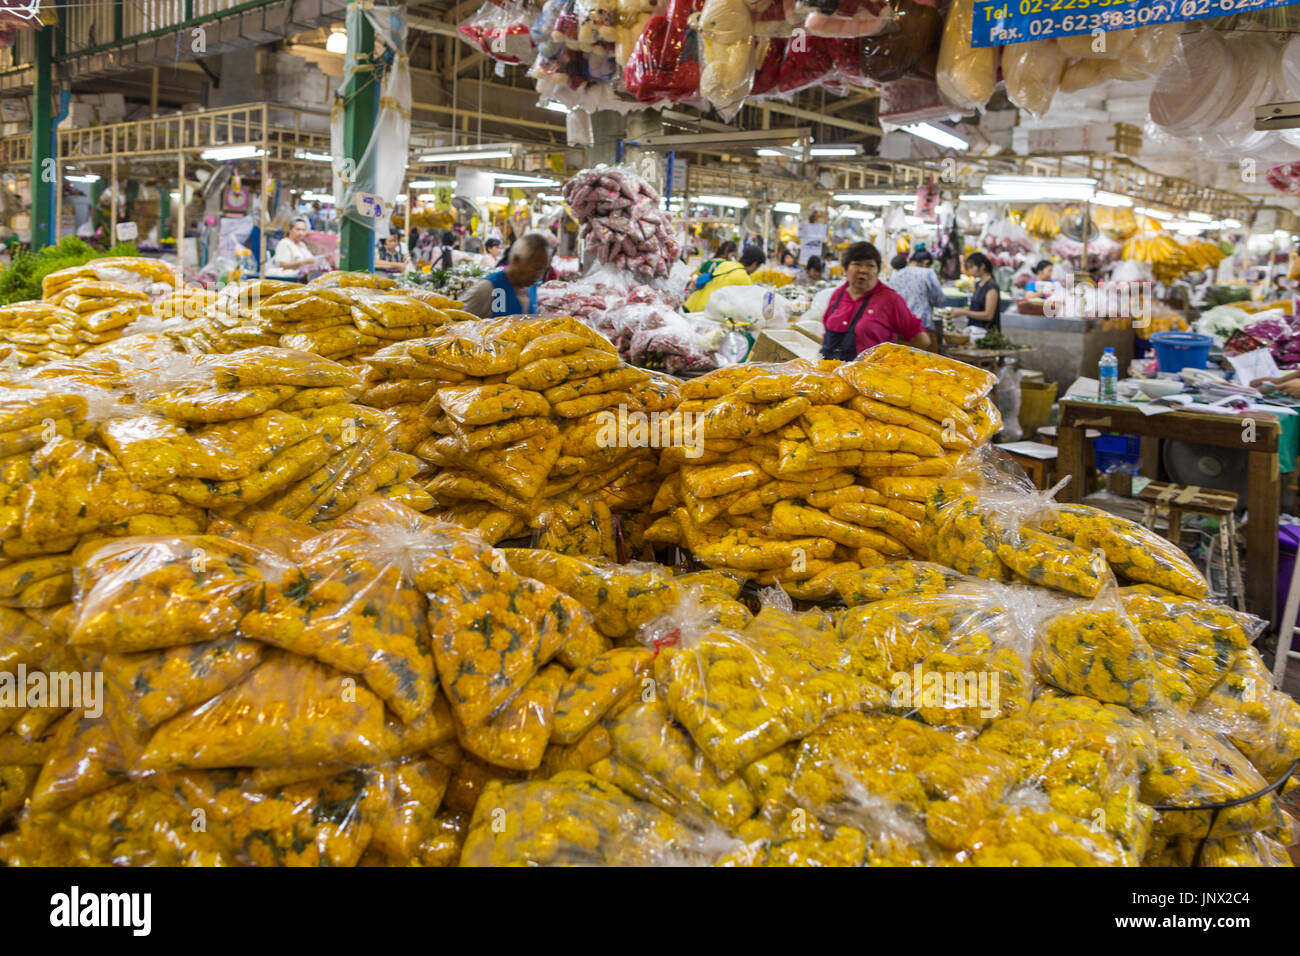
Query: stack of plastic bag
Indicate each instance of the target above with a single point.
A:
(311, 693)
(622, 222)
(534, 424)
(805, 470)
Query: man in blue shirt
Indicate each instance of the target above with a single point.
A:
(513, 290)
(919, 286)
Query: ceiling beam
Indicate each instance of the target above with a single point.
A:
(823, 118)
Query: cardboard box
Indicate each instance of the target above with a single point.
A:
(781, 345)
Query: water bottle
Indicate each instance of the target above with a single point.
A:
(1108, 389)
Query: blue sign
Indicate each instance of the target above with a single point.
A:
(999, 22)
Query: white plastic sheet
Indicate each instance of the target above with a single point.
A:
(377, 174)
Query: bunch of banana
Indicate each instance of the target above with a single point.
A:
(1118, 224)
(1042, 222)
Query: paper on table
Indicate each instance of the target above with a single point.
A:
(1030, 449)
(1254, 365)
(1083, 388)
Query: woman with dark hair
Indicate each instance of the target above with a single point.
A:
(1041, 284)
(491, 254)
(727, 250)
(863, 312)
(814, 270)
(789, 260)
(898, 262)
(985, 302)
(446, 260)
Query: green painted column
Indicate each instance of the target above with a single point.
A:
(361, 106)
(45, 165)
(164, 212)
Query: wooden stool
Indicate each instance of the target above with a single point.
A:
(1039, 470)
(1191, 499)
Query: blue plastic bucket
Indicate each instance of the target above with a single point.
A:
(1176, 351)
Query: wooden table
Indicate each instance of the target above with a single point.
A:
(1225, 431)
(983, 358)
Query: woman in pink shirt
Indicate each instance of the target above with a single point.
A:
(864, 312)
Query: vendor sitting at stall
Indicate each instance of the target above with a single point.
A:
(863, 312)
(292, 258)
(1041, 285)
(390, 256)
(724, 273)
(814, 271)
(506, 291)
(985, 302)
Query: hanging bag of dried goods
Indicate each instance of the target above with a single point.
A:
(966, 74)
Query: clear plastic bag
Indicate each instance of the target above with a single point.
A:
(1262, 722)
(1032, 72)
(289, 711)
(726, 32)
(949, 785)
(142, 594)
(742, 694)
(966, 75)
(1096, 650)
(664, 65)
(350, 602)
(620, 598)
(646, 740)
(1195, 642)
(501, 31)
(573, 819)
(1196, 766)
(1134, 552)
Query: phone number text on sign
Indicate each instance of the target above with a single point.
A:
(999, 22)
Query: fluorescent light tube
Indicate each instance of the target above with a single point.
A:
(223, 153)
(793, 207)
(873, 199)
(458, 154)
(734, 202)
(937, 134)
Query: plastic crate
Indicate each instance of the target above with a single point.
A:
(1116, 452)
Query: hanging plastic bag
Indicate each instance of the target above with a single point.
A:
(502, 32)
